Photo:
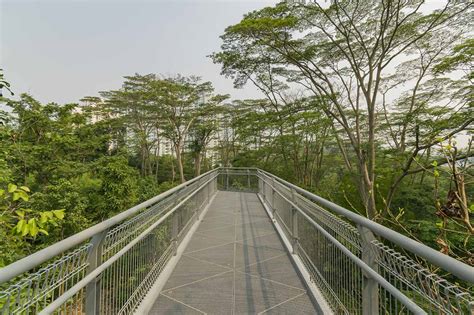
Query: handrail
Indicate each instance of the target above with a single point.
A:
(412, 306)
(348, 264)
(448, 263)
(91, 276)
(25, 264)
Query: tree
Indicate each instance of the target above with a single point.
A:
(64, 158)
(180, 99)
(132, 107)
(204, 129)
(343, 53)
(4, 84)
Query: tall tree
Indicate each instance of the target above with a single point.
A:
(179, 99)
(344, 53)
(205, 128)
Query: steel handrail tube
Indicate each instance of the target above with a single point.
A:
(412, 306)
(25, 264)
(97, 271)
(457, 268)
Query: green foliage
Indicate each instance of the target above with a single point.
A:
(25, 221)
(76, 168)
(462, 57)
(357, 97)
(4, 83)
(119, 186)
(378, 89)
(21, 224)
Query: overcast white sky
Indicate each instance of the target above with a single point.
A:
(62, 50)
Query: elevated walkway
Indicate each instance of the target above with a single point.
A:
(237, 241)
(235, 263)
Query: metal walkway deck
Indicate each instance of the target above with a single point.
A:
(235, 263)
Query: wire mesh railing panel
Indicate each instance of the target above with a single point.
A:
(268, 193)
(238, 180)
(111, 270)
(338, 254)
(340, 229)
(435, 294)
(185, 216)
(34, 291)
(119, 261)
(122, 234)
(141, 265)
(335, 274)
(75, 305)
(282, 211)
(124, 283)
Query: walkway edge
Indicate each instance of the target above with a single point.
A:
(149, 300)
(320, 302)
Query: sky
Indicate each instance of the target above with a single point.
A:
(62, 50)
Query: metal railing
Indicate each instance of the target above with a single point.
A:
(362, 267)
(108, 268)
(359, 266)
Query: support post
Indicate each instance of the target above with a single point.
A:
(294, 223)
(208, 191)
(227, 179)
(370, 290)
(175, 232)
(248, 179)
(198, 200)
(93, 288)
(273, 194)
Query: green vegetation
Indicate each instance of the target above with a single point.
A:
(78, 165)
(363, 104)
(364, 101)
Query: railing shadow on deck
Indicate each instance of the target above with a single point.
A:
(359, 266)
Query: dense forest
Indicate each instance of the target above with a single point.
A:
(365, 104)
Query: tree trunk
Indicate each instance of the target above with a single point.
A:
(367, 191)
(179, 159)
(157, 162)
(197, 163)
(173, 172)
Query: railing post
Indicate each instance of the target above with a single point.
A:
(175, 232)
(197, 200)
(273, 194)
(294, 223)
(227, 179)
(370, 290)
(94, 259)
(248, 179)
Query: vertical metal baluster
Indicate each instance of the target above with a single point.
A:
(93, 288)
(174, 231)
(133, 270)
(115, 286)
(294, 223)
(370, 294)
(273, 195)
(126, 277)
(248, 179)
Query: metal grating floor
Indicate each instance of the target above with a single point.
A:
(235, 263)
